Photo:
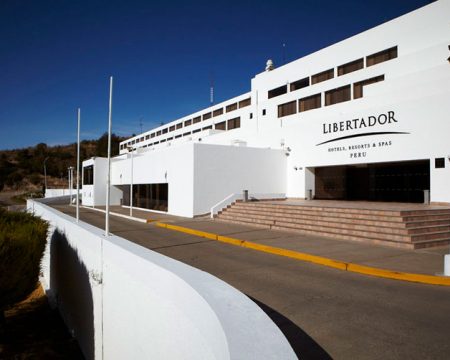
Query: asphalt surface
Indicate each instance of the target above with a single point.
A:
(323, 312)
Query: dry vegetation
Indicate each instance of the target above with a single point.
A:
(23, 169)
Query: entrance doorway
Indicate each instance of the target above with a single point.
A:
(398, 181)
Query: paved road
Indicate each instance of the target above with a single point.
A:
(323, 312)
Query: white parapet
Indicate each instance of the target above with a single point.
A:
(121, 300)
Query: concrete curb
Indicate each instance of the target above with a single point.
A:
(319, 260)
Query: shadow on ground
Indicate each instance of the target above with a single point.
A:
(303, 345)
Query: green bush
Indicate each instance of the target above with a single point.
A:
(22, 244)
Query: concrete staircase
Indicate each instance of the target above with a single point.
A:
(413, 229)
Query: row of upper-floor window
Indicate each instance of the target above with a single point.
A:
(349, 67)
(223, 125)
(333, 96)
(231, 107)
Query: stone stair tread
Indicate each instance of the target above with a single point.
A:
(293, 215)
(406, 228)
(316, 209)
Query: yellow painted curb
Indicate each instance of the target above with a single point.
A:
(319, 260)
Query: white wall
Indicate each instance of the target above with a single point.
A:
(148, 305)
(49, 193)
(95, 195)
(173, 165)
(223, 170)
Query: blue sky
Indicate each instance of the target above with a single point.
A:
(57, 55)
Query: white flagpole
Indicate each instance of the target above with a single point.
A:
(78, 166)
(108, 179)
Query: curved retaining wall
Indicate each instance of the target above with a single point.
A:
(121, 300)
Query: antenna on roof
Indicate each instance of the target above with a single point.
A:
(140, 123)
(211, 89)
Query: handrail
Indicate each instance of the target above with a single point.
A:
(233, 197)
(224, 203)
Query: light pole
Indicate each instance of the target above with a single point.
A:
(130, 150)
(70, 183)
(108, 177)
(45, 175)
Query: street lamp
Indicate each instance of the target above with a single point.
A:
(45, 175)
(70, 183)
(130, 150)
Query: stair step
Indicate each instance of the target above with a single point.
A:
(407, 228)
(431, 243)
(309, 217)
(295, 213)
(292, 208)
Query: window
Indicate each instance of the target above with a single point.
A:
(218, 112)
(137, 140)
(187, 122)
(133, 142)
(142, 138)
(207, 116)
(171, 138)
(287, 109)
(207, 127)
(337, 95)
(163, 140)
(234, 123)
(88, 175)
(231, 107)
(324, 75)
(164, 131)
(121, 146)
(178, 136)
(251, 116)
(156, 143)
(158, 133)
(152, 135)
(358, 87)
(179, 125)
(172, 128)
(221, 126)
(381, 56)
(350, 67)
(277, 91)
(148, 196)
(300, 84)
(187, 134)
(244, 103)
(264, 112)
(196, 119)
(310, 102)
(196, 131)
(439, 163)
(147, 137)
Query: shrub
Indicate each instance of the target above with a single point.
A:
(22, 244)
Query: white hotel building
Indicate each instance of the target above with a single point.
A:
(367, 118)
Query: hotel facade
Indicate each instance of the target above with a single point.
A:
(367, 118)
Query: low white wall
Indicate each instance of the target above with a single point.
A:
(121, 300)
(49, 193)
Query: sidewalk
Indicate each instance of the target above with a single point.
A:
(423, 261)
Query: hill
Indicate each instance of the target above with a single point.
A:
(23, 169)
